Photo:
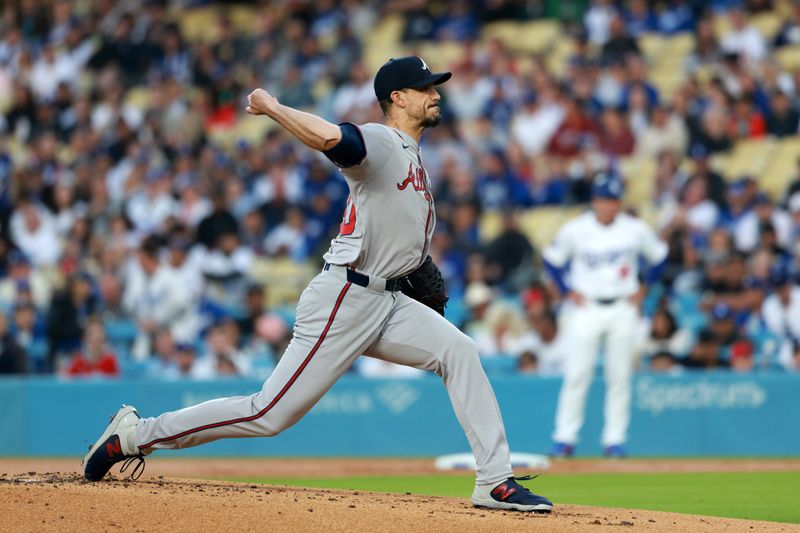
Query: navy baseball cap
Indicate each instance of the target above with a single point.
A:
(722, 312)
(404, 73)
(607, 186)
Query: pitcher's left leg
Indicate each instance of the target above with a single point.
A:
(619, 373)
(417, 336)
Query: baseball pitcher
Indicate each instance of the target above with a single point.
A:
(379, 294)
(594, 260)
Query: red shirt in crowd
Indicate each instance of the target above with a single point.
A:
(106, 365)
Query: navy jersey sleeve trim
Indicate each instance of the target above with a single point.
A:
(557, 275)
(351, 150)
(655, 272)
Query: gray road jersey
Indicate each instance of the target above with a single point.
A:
(389, 218)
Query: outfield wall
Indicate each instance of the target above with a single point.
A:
(696, 415)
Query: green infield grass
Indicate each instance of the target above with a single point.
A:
(754, 495)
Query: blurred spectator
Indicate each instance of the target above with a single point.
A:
(29, 331)
(666, 132)
(34, 232)
(719, 343)
(781, 312)
(501, 331)
(497, 186)
(219, 221)
(12, 355)
(665, 337)
(156, 297)
(676, 17)
(750, 230)
(94, 357)
(783, 119)
(743, 38)
(115, 125)
(746, 121)
(598, 20)
(789, 33)
(289, 238)
(163, 363)
(477, 297)
(528, 363)
(536, 122)
(271, 338)
(639, 18)
(619, 44)
(254, 306)
(69, 314)
(221, 358)
(510, 252)
(616, 138)
(716, 187)
(663, 362)
(546, 342)
(21, 276)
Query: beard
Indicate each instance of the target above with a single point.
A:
(432, 121)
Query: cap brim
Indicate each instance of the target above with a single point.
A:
(436, 78)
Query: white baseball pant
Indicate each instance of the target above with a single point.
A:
(587, 326)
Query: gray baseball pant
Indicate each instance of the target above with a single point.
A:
(336, 322)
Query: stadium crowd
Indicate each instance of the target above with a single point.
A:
(130, 234)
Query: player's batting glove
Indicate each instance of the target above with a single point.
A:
(426, 285)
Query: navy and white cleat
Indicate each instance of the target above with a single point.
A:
(562, 450)
(510, 495)
(615, 451)
(116, 444)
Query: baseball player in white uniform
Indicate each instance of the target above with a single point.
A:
(353, 306)
(594, 260)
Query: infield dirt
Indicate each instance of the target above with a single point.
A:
(61, 501)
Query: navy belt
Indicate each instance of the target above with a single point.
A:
(362, 280)
(606, 301)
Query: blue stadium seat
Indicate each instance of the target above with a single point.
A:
(121, 332)
(499, 365)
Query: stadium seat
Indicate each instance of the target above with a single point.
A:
(781, 167)
(506, 31)
(768, 23)
(498, 366)
(639, 174)
(376, 55)
(558, 57)
(441, 55)
(668, 78)
(200, 24)
(539, 225)
(131, 369)
(284, 279)
(651, 45)
(243, 18)
(121, 332)
(748, 157)
(537, 36)
(138, 97)
(788, 57)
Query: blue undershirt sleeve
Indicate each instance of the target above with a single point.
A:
(351, 150)
(655, 272)
(558, 276)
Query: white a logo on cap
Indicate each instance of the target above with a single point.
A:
(424, 65)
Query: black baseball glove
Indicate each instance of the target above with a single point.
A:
(426, 285)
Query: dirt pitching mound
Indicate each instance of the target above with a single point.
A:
(64, 502)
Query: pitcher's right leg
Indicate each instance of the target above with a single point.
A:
(336, 321)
